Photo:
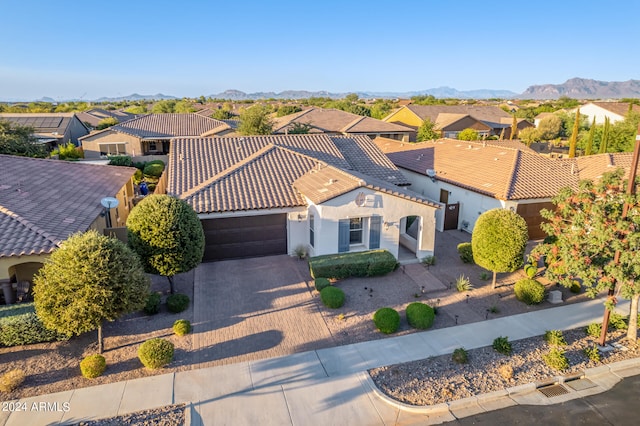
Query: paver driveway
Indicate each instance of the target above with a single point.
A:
(255, 308)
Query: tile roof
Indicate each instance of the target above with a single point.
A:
(490, 115)
(96, 115)
(337, 121)
(165, 126)
(257, 172)
(44, 124)
(620, 108)
(500, 172)
(42, 202)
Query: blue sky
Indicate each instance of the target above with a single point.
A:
(66, 49)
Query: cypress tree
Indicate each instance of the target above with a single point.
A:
(573, 141)
(514, 128)
(588, 150)
(605, 136)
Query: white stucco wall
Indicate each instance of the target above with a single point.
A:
(391, 209)
(599, 113)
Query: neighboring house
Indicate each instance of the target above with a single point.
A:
(450, 120)
(149, 134)
(616, 111)
(337, 122)
(266, 195)
(471, 178)
(52, 129)
(93, 117)
(42, 202)
(538, 118)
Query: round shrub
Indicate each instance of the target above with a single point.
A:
(321, 283)
(181, 327)
(332, 297)
(529, 291)
(387, 320)
(93, 366)
(11, 380)
(420, 315)
(177, 302)
(466, 252)
(152, 306)
(575, 287)
(155, 353)
(154, 168)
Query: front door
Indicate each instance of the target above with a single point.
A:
(451, 212)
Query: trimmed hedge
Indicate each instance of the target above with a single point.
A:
(332, 297)
(360, 264)
(177, 302)
(420, 315)
(93, 366)
(153, 168)
(321, 283)
(20, 325)
(466, 252)
(120, 160)
(387, 320)
(529, 291)
(155, 353)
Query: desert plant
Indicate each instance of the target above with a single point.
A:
(594, 329)
(181, 327)
(155, 353)
(420, 315)
(332, 297)
(321, 283)
(301, 251)
(529, 291)
(592, 353)
(506, 371)
(556, 359)
(460, 356)
(463, 284)
(11, 380)
(554, 337)
(387, 320)
(152, 306)
(428, 260)
(485, 276)
(502, 345)
(466, 252)
(494, 309)
(93, 366)
(177, 302)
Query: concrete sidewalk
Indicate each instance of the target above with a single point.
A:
(326, 386)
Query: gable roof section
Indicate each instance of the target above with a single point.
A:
(489, 115)
(42, 201)
(44, 124)
(619, 108)
(337, 121)
(257, 172)
(96, 115)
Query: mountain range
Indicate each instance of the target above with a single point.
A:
(577, 88)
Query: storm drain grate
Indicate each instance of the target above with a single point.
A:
(580, 384)
(553, 390)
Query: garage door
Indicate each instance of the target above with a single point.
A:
(249, 236)
(531, 214)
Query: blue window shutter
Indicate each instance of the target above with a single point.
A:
(374, 232)
(343, 235)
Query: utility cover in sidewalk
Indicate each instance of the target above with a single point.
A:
(553, 390)
(580, 384)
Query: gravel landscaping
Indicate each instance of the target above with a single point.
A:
(172, 415)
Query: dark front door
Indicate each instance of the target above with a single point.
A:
(451, 212)
(249, 236)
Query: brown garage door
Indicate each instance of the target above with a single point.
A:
(249, 236)
(531, 215)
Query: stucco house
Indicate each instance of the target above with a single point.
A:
(149, 134)
(450, 120)
(615, 111)
(469, 178)
(42, 202)
(51, 129)
(265, 195)
(336, 122)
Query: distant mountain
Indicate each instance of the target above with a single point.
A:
(582, 88)
(136, 97)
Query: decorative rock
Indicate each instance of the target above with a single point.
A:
(555, 296)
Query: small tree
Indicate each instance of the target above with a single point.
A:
(514, 128)
(605, 136)
(592, 130)
(167, 235)
(529, 135)
(255, 121)
(468, 135)
(499, 240)
(573, 141)
(19, 140)
(106, 122)
(89, 279)
(426, 131)
(549, 128)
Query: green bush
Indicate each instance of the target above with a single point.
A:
(575, 287)
(177, 302)
(387, 320)
(153, 168)
(321, 283)
(93, 366)
(531, 270)
(420, 315)
(360, 264)
(139, 165)
(137, 177)
(618, 321)
(25, 329)
(554, 337)
(11, 380)
(594, 329)
(592, 353)
(155, 353)
(16, 309)
(460, 356)
(466, 252)
(556, 359)
(529, 291)
(332, 297)
(502, 345)
(152, 306)
(120, 160)
(428, 260)
(181, 327)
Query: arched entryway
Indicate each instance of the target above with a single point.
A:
(408, 240)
